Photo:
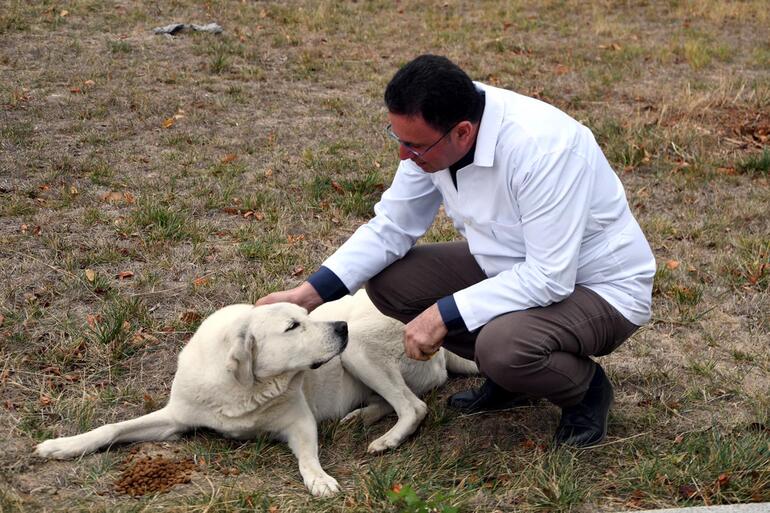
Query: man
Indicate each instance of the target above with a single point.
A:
(554, 268)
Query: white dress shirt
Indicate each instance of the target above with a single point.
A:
(540, 207)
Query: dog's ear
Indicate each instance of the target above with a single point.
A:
(240, 358)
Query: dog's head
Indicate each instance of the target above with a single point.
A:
(280, 338)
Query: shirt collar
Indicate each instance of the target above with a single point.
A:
(489, 128)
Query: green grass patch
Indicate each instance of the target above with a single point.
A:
(113, 328)
(160, 222)
(757, 164)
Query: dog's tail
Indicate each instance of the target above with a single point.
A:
(459, 365)
(158, 425)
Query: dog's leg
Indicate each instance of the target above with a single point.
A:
(302, 436)
(370, 413)
(387, 381)
(158, 425)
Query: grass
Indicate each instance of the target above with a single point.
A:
(121, 231)
(756, 164)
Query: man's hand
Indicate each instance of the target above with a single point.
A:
(424, 335)
(304, 295)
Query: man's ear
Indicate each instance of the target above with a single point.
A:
(240, 357)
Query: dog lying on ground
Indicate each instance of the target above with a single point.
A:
(274, 368)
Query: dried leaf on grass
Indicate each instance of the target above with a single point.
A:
(190, 317)
(114, 197)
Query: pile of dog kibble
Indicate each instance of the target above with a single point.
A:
(148, 474)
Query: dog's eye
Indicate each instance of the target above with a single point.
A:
(293, 325)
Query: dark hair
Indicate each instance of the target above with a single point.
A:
(436, 88)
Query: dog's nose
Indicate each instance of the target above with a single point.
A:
(341, 329)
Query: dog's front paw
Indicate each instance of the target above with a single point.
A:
(384, 443)
(58, 448)
(323, 485)
(352, 416)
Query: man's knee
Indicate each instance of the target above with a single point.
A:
(508, 355)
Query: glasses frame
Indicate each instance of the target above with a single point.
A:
(409, 148)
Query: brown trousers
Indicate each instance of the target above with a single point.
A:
(541, 351)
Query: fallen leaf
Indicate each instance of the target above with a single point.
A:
(64, 13)
(92, 319)
(168, 122)
(273, 509)
(51, 370)
(190, 317)
(268, 173)
(45, 400)
(124, 275)
(337, 187)
(231, 210)
(687, 491)
(89, 83)
(112, 197)
(672, 264)
(228, 158)
(396, 488)
(74, 190)
(723, 480)
(297, 271)
(200, 281)
(129, 198)
(90, 275)
(561, 69)
(140, 337)
(149, 403)
(76, 90)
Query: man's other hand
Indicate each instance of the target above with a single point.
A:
(304, 295)
(424, 335)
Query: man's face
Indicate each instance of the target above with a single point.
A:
(415, 132)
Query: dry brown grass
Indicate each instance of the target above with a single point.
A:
(203, 166)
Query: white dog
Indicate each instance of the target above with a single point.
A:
(276, 369)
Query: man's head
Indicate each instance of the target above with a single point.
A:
(434, 110)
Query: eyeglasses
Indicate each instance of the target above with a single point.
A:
(409, 147)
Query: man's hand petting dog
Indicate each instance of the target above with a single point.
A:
(304, 295)
(424, 335)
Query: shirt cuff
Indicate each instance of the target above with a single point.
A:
(327, 284)
(450, 314)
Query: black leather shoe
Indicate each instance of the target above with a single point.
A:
(585, 424)
(488, 397)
